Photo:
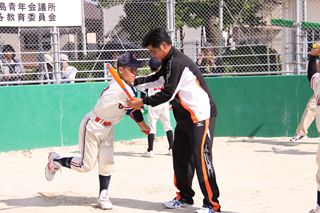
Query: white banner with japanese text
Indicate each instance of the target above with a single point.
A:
(40, 13)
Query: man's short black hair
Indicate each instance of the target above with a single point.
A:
(155, 37)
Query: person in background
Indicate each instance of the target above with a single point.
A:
(205, 61)
(11, 68)
(310, 113)
(154, 113)
(47, 69)
(314, 78)
(68, 72)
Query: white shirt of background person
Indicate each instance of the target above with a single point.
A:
(68, 72)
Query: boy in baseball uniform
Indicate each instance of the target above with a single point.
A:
(96, 133)
(161, 112)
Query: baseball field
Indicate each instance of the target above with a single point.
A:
(255, 175)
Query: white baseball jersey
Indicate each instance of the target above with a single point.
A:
(153, 91)
(158, 112)
(112, 104)
(315, 85)
(96, 140)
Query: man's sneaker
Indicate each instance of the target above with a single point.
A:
(205, 210)
(170, 152)
(52, 166)
(316, 210)
(148, 154)
(297, 138)
(104, 201)
(176, 203)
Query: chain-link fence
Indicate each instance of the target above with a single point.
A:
(224, 37)
(231, 37)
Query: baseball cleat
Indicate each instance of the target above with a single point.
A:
(316, 210)
(176, 203)
(148, 154)
(104, 201)
(52, 166)
(297, 138)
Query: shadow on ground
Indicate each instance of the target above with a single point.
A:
(278, 147)
(50, 200)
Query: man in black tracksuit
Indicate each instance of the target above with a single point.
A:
(195, 113)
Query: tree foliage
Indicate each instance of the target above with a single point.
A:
(141, 15)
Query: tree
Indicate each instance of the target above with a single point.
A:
(143, 15)
(206, 13)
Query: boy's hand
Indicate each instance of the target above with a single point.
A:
(136, 103)
(144, 127)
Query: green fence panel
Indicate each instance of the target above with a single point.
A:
(49, 115)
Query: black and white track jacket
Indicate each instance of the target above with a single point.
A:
(184, 87)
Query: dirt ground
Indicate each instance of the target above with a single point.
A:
(257, 175)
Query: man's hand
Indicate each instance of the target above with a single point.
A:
(315, 51)
(136, 103)
(144, 127)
